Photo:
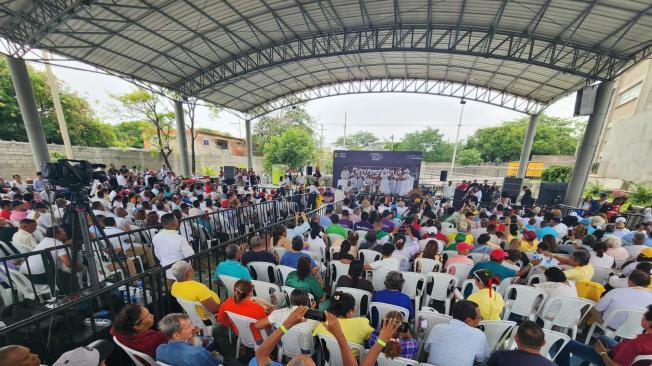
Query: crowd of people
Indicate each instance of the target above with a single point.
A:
(419, 233)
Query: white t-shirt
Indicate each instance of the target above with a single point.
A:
(170, 247)
(24, 241)
(36, 265)
(605, 262)
(277, 317)
(622, 298)
(390, 264)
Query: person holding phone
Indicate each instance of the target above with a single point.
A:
(401, 343)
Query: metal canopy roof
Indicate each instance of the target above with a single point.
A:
(256, 56)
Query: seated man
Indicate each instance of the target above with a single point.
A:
(24, 239)
(231, 266)
(392, 293)
(529, 340)
(291, 257)
(635, 296)
(186, 288)
(387, 262)
(458, 342)
(258, 253)
(608, 352)
(494, 265)
(335, 227)
(180, 351)
(15, 355)
(463, 250)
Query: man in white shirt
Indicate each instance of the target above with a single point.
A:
(560, 227)
(388, 262)
(47, 194)
(449, 190)
(169, 246)
(636, 296)
(24, 239)
(458, 342)
(120, 178)
(39, 183)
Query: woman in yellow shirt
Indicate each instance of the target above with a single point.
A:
(529, 242)
(356, 329)
(489, 301)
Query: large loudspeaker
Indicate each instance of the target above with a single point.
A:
(229, 175)
(551, 194)
(443, 175)
(512, 186)
(309, 170)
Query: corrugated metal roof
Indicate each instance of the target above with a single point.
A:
(242, 53)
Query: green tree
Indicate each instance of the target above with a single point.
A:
(295, 148)
(362, 140)
(84, 127)
(131, 133)
(430, 142)
(269, 126)
(554, 136)
(469, 157)
(557, 174)
(143, 105)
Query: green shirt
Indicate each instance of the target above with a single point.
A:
(309, 284)
(337, 229)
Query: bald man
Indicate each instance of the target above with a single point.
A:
(18, 356)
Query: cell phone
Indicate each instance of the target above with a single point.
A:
(315, 315)
(404, 327)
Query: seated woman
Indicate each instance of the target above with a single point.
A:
(490, 302)
(132, 327)
(401, 344)
(356, 329)
(556, 285)
(353, 279)
(392, 293)
(344, 255)
(298, 297)
(302, 278)
(352, 237)
(241, 303)
(431, 251)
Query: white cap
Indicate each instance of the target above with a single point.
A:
(621, 219)
(80, 356)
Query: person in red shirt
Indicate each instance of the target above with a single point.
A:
(608, 352)
(242, 304)
(5, 209)
(132, 327)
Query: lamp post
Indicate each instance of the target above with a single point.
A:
(457, 137)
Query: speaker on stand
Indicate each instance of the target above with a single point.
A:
(443, 175)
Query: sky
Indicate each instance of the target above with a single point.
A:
(384, 114)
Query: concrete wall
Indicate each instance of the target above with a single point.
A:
(16, 158)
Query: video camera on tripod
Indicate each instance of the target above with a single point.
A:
(76, 176)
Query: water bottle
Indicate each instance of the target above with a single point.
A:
(139, 295)
(101, 314)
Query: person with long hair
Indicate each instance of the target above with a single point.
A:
(353, 278)
(242, 303)
(132, 327)
(401, 343)
(302, 278)
(431, 251)
(344, 254)
(356, 329)
(491, 303)
(600, 258)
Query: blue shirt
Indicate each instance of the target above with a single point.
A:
(545, 231)
(231, 268)
(456, 343)
(185, 354)
(394, 298)
(495, 268)
(325, 221)
(298, 231)
(291, 259)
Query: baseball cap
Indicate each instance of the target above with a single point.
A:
(529, 234)
(460, 237)
(621, 219)
(646, 253)
(498, 254)
(586, 221)
(85, 356)
(463, 246)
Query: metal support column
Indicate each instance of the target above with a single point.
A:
(28, 110)
(181, 138)
(527, 146)
(250, 145)
(590, 142)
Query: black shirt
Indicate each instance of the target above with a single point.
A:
(517, 358)
(263, 256)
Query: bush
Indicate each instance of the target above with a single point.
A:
(594, 189)
(557, 174)
(641, 194)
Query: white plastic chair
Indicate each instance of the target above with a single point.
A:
(190, 308)
(450, 253)
(262, 271)
(245, 336)
(331, 350)
(378, 278)
(23, 285)
(336, 270)
(496, 331)
(414, 286)
(368, 256)
(468, 288)
(362, 299)
(333, 238)
(619, 263)
(504, 285)
(287, 291)
(461, 271)
(440, 286)
(601, 275)
(139, 358)
(396, 361)
(427, 265)
(279, 252)
(282, 273)
(536, 278)
(629, 329)
(425, 319)
(229, 283)
(527, 302)
(270, 292)
(642, 358)
(295, 342)
(378, 310)
(571, 311)
(552, 338)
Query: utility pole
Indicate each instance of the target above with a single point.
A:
(54, 90)
(344, 130)
(457, 137)
(321, 138)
